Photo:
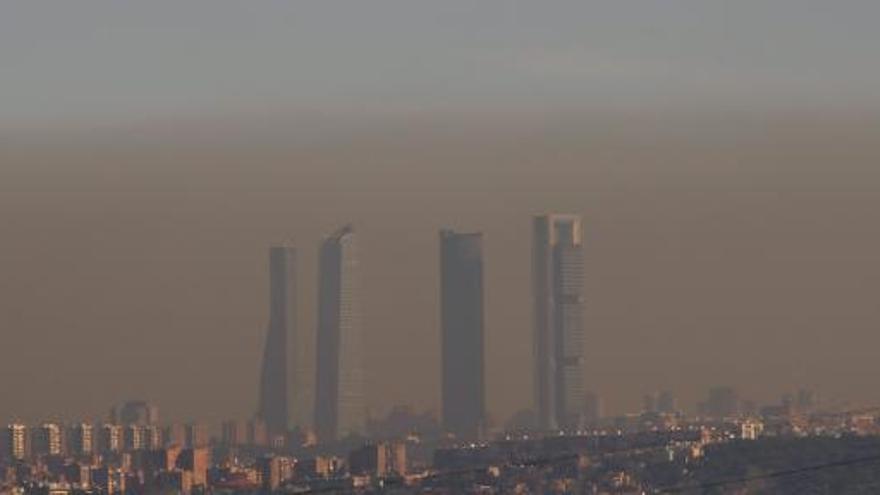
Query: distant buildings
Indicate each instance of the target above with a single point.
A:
(49, 439)
(461, 303)
(197, 461)
(269, 470)
(175, 434)
(333, 405)
(380, 459)
(282, 319)
(133, 437)
(594, 408)
(558, 271)
(152, 437)
(17, 441)
(110, 439)
(234, 433)
(806, 399)
(751, 430)
(663, 402)
(723, 402)
(82, 439)
(257, 433)
(339, 398)
(138, 412)
(196, 435)
(666, 402)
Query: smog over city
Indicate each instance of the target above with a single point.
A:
(445, 247)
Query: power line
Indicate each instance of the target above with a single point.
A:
(771, 475)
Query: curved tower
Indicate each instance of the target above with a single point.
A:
(272, 407)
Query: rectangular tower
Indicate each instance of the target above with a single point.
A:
(558, 312)
(339, 394)
(461, 314)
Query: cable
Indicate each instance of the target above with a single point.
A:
(771, 475)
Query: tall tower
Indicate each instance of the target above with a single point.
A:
(558, 271)
(461, 314)
(339, 395)
(282, 319)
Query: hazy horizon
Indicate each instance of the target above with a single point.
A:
(724, 157)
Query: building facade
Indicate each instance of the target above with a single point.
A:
(339, 397)
(17, 441)
(273, 405)
(558, 271)
(49, 439)
(462, 333)
(110, 438)
(82, 439)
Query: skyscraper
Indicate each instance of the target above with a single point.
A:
(282, 317)
(558, 310)
(461, 314)
(339, 394)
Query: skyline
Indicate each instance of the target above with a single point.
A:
(283, 273)
(723, 155)
(501, 246)
(600, 390)
(560, 402)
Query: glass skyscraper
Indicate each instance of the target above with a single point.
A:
(558, 271)
(339, 398)
(273, 406)
(461, 312)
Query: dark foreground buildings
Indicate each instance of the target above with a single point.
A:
(461, 306)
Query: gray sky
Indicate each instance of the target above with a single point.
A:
(81, 62)
(724, 156)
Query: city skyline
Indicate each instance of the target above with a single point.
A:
(448, 247)
(690, 404)
(557, 278)
(724, 155)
